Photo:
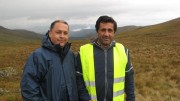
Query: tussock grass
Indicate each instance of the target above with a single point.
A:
(156, 61)
(155, 55)
(12, 60)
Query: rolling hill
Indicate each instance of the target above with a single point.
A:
(155, 55)
(9, 35)
(17, 36)
(171, 26)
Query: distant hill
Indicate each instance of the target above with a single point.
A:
(84, 33)
(154, 51)
(89, 33)
(9, 35)
(126, 28)
(162, 28)
(15, 36)
(168, 27)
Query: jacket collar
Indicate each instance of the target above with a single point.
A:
(95, 42)
(46, 42)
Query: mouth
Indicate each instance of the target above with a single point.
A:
(60, 41)
(106, 39)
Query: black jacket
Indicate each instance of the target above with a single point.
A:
(49, 74)
(102, 73)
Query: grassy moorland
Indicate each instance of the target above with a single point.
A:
(12, 59)
(155, 55)
(156, 61)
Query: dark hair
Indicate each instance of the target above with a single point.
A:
(105, 19)
(56, 21)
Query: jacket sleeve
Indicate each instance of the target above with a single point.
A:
(82, 91)
(129, 80)
(30, 88)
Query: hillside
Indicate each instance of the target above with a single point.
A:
(154, 51)
(155, 55)
(9, 35)
(171, 26)
(17, 36)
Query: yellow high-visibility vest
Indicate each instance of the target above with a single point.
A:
(88, 69)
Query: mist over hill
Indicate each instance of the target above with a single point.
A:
(42, 29)
(79, 31)
(75, 33)
(86, 31)
(89, 33)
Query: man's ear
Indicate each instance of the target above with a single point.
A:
(50, 33)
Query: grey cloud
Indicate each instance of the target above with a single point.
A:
(30, 13)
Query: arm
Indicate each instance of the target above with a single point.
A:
(82, 92)
(30, 88)
(129, 81)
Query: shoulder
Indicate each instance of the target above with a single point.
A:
(71, 53)
(41, 53)
(118, 44)
(121, 45)
(86, 46)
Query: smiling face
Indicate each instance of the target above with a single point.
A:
(59, 34)
(105, 33)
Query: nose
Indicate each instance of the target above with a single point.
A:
(62, 35)
(106, 33)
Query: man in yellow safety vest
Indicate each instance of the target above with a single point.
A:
(105, 72)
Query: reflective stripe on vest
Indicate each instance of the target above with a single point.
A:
(120, 61)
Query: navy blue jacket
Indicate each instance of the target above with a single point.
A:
(46, 77)
(102, 73)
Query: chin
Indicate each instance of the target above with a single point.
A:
(62, 45)
(107, 42)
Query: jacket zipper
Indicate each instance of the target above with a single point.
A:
(62, 64)
(106, 82)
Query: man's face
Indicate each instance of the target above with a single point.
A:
(59, 34)
(106, 33)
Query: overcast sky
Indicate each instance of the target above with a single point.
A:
(24, 14)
